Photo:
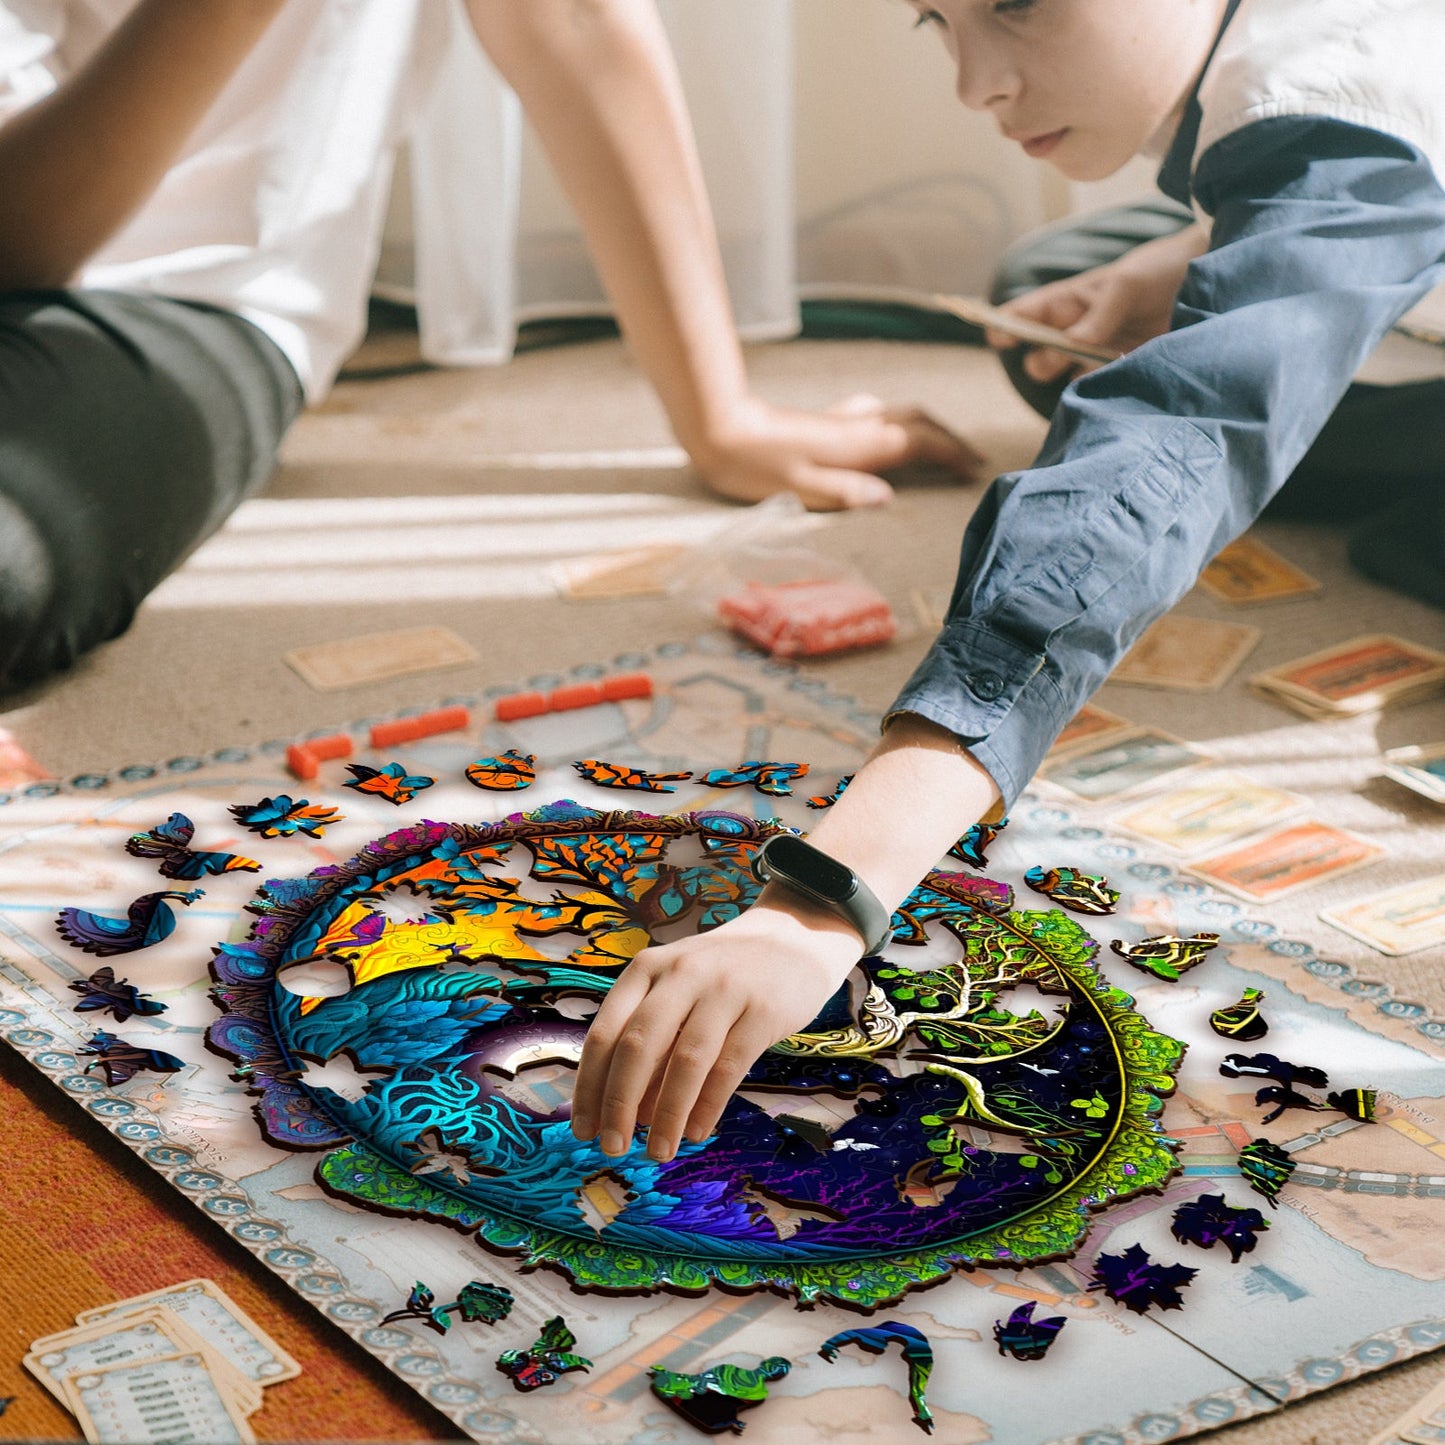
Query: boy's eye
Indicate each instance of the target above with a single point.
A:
(1013, 7)
(927, 17)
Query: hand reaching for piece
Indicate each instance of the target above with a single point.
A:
(830, 459)
(686, 1021)
(1121, 305)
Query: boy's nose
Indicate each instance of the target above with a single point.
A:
(983, 81)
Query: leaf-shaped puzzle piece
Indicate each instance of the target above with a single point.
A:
(1210, 1219)
(826, 800)
(1024, 1337)
(1133, 1280)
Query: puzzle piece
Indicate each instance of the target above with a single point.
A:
(1167, 955)
(917, 1355)
(391, 782)
(281, 817)
(1077, 891)
(148, 921)
(713, 1399)
(1210, 1219)
(774, 779)
(1242, 1020)
(1024, 1337)
(170, 842)
(614, 775)
(508, 773)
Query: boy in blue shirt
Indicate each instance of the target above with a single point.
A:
(1309, 137)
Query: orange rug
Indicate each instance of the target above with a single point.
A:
(82, 1222)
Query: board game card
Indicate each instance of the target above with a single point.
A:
(1400, 921)
(1248, 571)
(153, 1402)
(1089, 725)
(1117, 765)
(977, 312)
(643, 572)
(148, 1334)
(1358, 676)
(1421, 769)
(219, 1322)
(1188, 654)
(1193, 820)
(1285, 861)
(1422, 1424)
(353, 661)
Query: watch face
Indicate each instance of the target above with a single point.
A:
(810, 869)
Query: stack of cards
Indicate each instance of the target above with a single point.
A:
(1358, 676)
(1404, 920)
(179, 1363)
(1420, 769)
(1422, 1424)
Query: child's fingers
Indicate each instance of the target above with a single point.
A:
(693, 1058)
(839, 489)
(602, 1035)
(745, 1044)
(641, 1047)
(1046, 366)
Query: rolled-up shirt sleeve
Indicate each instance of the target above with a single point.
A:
(1325, 234)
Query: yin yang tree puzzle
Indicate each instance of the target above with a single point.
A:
(1080, 1092)
(973, 1127)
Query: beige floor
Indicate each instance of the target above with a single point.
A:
(447, 497)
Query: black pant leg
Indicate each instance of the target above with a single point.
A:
(130, 427)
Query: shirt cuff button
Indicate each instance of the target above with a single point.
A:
(985, 685)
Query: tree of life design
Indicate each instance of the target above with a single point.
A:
(969, 1134)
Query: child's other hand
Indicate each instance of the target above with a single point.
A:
(686, 1021)
(1120, 306)
(830, 459)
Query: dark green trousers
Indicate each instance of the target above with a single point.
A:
(130, 428)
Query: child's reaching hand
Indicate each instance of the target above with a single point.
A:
(1121, 305)
(830, 459)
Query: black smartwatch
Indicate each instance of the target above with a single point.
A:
(787, 859)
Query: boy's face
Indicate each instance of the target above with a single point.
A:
(1083, 84)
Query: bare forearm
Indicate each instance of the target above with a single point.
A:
(75, 166)
(598, 83)
(909, 803)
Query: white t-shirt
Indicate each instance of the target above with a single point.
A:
(274, 209)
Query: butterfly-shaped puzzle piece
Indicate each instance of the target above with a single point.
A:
(102, 990)
(122, 1061)
(171, 843)
(392, 782)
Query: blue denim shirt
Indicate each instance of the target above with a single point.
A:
(1325, 234)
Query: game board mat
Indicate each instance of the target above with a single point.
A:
(1359, 1221)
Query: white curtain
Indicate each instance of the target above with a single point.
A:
(837, 160)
